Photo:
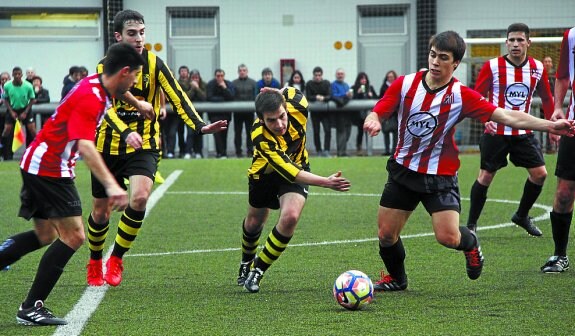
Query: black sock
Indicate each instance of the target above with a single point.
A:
(560, 224)
(478, 197)
(393, 257)
(17, 246)
(49, 270)
(467, 241)
(531, 192)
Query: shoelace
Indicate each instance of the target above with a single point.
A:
(473, 257)
(385, 279)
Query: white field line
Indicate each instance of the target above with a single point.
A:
(90, 300)
(92, 296)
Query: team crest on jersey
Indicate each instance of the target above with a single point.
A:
(516, 94)
(448, 99)
(421, 124)
(535, 74)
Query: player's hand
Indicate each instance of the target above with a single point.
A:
(117, 198)
(372, 125)
(163, 113)
(554, 139)
(215, 127)
(563, 127)
(338, 182)
(23, 116)
(491, 127)
(146, 109)
(271, 89)
(557, 114)
(135, 140)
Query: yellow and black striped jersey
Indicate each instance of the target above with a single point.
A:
(285, 154)
(123, 118)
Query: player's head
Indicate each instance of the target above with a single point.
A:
(271, 110)
(449, 41)
(129, 27)
(124, 62)
(517, 41)
(446, 50)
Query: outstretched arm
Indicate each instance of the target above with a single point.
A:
(522, 120)
(335, 181)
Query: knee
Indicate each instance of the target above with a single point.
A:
(386, 238)
(46, 237)
(539, 178)
(74, 239)
(100, 214)
(564, 199)
(448, 239)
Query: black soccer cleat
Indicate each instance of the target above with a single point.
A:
(474, 260)
(243, 272)
(252, 283)
(38, 316)
(472, 227)
(556, 264)
(527, 224)
(389, 284)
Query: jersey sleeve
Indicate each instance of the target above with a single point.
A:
(178, 98)
(544, 91)
(484, 80)
(475, 105)
(388, 104)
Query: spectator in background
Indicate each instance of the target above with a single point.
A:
(18, 98)
(220, 90)
(83, 72)
(245, 91)
(74, 75)
(361, 90)
(268, 80)
(42, 94)
(319, 90)
(30, 74)
(4, 78)
(197, 92)
(173, 125)
(340, 94)
(296, 80)
(389, 126)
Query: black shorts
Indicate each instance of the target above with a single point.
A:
(123, 166)
(565, 168)
(266, 191)
(405, 189)
(48, 197)
(30, 119)
(523, 150)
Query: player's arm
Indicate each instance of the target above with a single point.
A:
(117, 196)
(145, 108)
(131, 137)
(544, 91)
(335, 181)
(522, 120)
(384, 108)
(562, 76)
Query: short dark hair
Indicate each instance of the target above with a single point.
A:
(16, 68)
(38, 78)
(268, 101)
(267, 70)
(124, 16)
(219, 70)
(449, 41)
(120, 55)
(518, 27)
(317, 69)
(183, 67)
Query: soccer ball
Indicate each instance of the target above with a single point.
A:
(353, 290)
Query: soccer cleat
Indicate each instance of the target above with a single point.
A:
(474, 260)
(527, 224)
(158, 178)
(38, 316)
(114, 267)
(94, 275)
(243, 272)
(556, 264)
(252, 283)
(389, 284)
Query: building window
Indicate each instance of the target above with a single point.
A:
(50, 23)
(383, 19)
(193, 22)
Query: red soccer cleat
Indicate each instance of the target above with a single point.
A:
(94, 275)
(114, 267)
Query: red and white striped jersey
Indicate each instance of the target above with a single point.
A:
(427, 120)
(566, 68)
(511, 87)
(54, 151)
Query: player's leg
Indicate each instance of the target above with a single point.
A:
(526, 152)
(18, 245)
(51, 267)
(561, 218)
(252, 227)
